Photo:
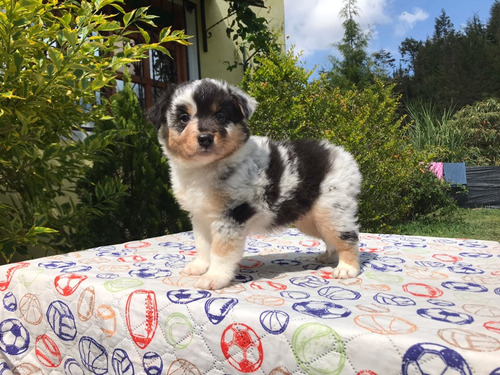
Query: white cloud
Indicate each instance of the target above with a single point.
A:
(316, 24)
(407, 20)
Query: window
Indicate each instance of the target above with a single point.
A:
(150, 76)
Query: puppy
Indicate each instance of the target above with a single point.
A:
(234, 184)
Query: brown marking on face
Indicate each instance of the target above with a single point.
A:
(214, 107)
(234, 140)
(184, 144)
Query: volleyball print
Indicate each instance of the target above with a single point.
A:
(424, 305)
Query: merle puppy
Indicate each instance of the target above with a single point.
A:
(234, 184)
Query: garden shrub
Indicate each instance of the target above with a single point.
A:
(435, 133)
(54, 56)
(480, 125)
(397, 186)
(147, 208)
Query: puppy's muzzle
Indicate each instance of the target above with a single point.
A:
(205, 140)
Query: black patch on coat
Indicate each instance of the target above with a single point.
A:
(210, 98)
(242, 213)
(351, 236)
(157, 113)
(274, 172)
(313, 161)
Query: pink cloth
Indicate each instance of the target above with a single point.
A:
(437, 169)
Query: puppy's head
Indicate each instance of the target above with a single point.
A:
(202, 121)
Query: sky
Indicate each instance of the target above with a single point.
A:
(312, 26)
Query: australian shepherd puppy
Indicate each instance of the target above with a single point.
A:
(233, 184)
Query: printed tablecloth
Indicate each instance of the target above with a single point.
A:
(420, 306)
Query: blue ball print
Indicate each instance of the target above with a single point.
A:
(426, 358)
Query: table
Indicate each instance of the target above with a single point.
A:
(420, 305)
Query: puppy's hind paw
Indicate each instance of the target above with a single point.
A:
(345, 271)
(195, 268)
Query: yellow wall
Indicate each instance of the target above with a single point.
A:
(221, 48)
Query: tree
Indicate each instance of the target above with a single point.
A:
(452, 68)
(54, 56)
(354, 67)
(443, 27)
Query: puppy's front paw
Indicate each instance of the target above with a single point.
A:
(345, 270)
(213, 281)
(195, 268)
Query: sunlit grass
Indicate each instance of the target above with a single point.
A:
(479, 224)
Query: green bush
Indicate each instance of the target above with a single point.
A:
(396, 185)
(480, 125)
(54, 56)
(147, 208)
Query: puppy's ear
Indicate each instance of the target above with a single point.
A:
(157, 113)
(247, 103)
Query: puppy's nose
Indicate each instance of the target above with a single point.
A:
(205, 140)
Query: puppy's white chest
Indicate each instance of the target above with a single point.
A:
(197, 195)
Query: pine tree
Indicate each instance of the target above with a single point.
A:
(148, 209)
(354, 67)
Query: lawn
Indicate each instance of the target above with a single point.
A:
(479, 224)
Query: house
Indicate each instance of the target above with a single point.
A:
(211, 50)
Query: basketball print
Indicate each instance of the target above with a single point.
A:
(242, 347)
(93, 355)
(183, 367)
(274, 321)
(30, 309)
(385, 324)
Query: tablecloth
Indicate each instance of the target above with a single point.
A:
(420, 306)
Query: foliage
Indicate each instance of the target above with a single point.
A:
(480, 126)
(54, 56)
(147, 209)
(459, 67)
(354, 67)
(435, 133)
(284, 94)
(250, 33)
(396, 185)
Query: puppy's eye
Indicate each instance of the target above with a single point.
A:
(184, 118)
(220, 117)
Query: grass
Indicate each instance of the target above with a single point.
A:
(478, 224)
(431, 130)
